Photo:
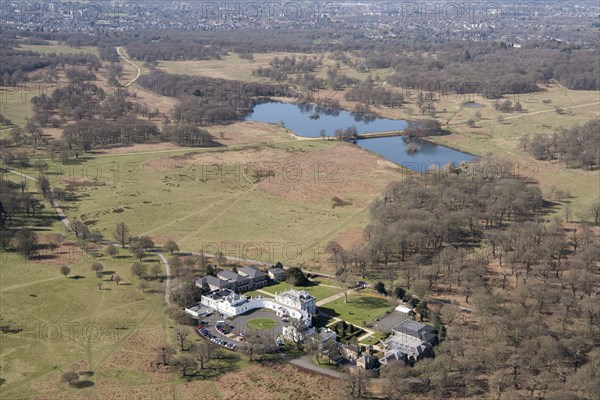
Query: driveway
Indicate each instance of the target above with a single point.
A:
(239, 325)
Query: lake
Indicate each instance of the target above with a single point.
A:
(296, 117)
(418, 155)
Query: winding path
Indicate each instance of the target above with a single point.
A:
(127, 60)
(168, 281)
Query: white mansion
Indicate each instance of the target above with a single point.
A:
(297, 304)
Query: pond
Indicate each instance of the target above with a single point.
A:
(309, 121)
(471, 104)
(418, 155)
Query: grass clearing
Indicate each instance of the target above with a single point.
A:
(56, 48)
(207, 199)
(360, 308)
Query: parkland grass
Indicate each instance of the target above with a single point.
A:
(359, 308)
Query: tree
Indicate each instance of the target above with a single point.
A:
(165, 354)
(65, 270)
(448, 313)
(171, 246)
(142, 285)
(139, 269)
(26, 242)
(397, 387)
(156, 270)
(112, 250)
(70, 377)
(118, 279)
(138, 250)
(344, 279)
(186, 294)
(185, 363)
(380, 288)
(121, 234)
(357, 385)
(203, 353)
(221, 259)
(518, 107)
(295, 277)
(176, 265)
(182, 334)
(97, 267)
(5, 235)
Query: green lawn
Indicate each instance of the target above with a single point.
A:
(260, 324)
(359, 308)
(254, 293)
(319, 292)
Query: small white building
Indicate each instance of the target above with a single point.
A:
(403, 309)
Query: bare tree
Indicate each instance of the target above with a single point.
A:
(357, 384)
(121, 234)
(65, 270)
(185, 363)
(165, 354)
(139, 269)
(112, 250)
(182, 334)
(156, 270)
(203, 353)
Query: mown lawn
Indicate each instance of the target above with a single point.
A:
(260, 324)
(360, 308)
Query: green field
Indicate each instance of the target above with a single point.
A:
(69, 320)
(319, 292)
(59, 49)
(502, 140)
(15, 104)
(260, 324)
(200, 210)
(360, 308)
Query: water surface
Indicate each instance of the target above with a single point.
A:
(418, 155)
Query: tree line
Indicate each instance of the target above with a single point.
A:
(530, 322)
(577, 146)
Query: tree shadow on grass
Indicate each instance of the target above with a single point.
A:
(82, 384)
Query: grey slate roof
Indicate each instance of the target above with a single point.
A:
(252, 272)
(230, 276)
(276, 271)
(212, 281)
